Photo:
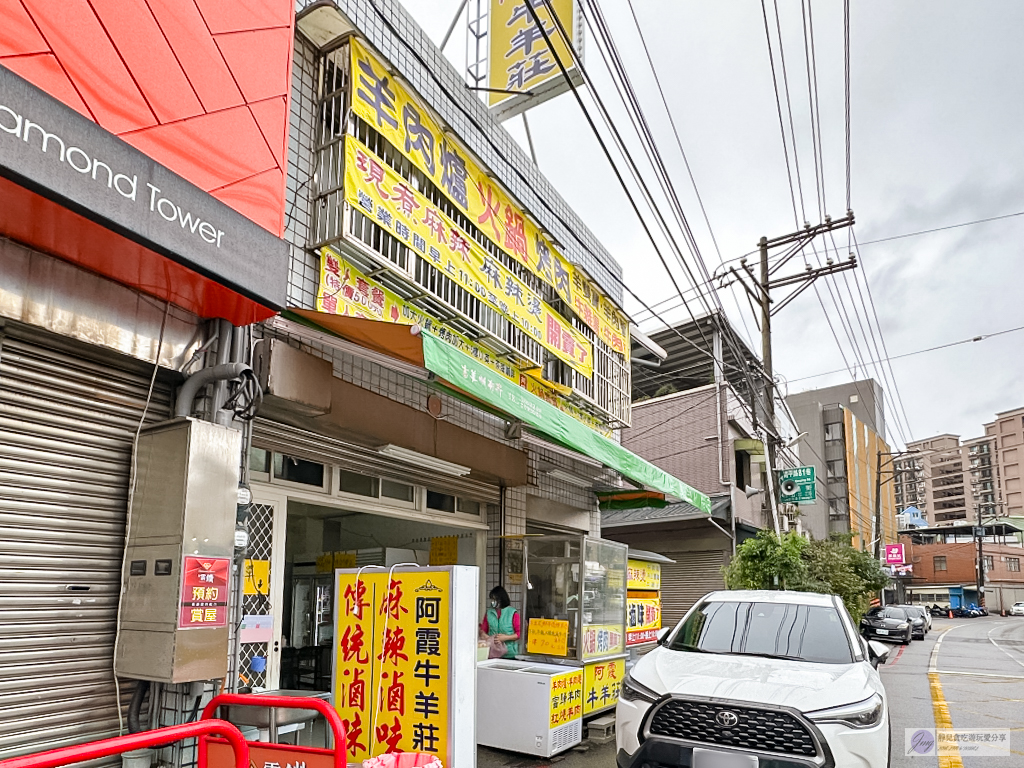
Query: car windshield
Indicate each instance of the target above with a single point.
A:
(895, 613)
(774, 630)
(913, 610)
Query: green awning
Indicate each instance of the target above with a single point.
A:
(462, 371)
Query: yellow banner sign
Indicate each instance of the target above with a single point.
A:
(391, 670)
(566, 698)
(382, 195)
(601, 683)
(325, 562)
(641, 574)
(344, 290)
(444, 550)
(602, 640)
(257, 577)
(344, 559)
(547, 637)
(519, 57)
(407, 125)
(643, 619)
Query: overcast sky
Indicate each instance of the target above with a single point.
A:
(937, 122)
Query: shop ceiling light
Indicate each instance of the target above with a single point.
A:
(569, 477)
(423, 460)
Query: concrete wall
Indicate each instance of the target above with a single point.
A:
(960, 563)
(1008, 430)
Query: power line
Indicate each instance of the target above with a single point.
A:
(982, 337)
(682, 152)
(835, 295)
(647, 140)
(846, 89)
(905, 235)
(874, 311)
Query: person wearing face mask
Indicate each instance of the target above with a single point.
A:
(501, 624)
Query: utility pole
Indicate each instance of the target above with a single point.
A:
(979, 534)
(760, 288)
(877, 532)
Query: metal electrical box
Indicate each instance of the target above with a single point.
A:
(177, 571)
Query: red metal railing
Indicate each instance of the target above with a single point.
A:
(115, 746)
(284, 702)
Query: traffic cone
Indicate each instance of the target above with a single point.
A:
(951, 613)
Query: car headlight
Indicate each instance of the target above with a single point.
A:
(631, 690)
(863, 714)
(903, 625)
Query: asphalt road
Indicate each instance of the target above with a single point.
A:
(974, 676)
(968, 673)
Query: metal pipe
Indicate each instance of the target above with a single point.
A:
(218, 373)
(225, 332)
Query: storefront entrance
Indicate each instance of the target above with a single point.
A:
(299, 536)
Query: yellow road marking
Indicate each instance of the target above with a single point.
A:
(940, 709)
(943, 721)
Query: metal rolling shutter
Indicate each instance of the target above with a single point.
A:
(689, 578)
(274, 436)
(68, 414)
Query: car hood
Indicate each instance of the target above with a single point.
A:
(805, 686)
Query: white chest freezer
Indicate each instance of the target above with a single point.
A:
(534, 709)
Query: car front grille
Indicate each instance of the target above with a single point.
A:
(767, 730)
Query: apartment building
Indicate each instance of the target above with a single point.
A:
(1007, 446)
(909, 485)
(934, 479)
(982, 478)
(845, 426)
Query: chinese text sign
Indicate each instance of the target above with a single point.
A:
(204, 592)
(391, 675)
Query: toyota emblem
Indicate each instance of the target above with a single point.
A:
(727, 719)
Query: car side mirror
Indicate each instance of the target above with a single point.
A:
(877, 652)
(662, 634)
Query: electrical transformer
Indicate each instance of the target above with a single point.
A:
(177, 569)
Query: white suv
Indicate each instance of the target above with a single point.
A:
(757, 677)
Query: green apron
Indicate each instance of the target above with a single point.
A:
(503, 626)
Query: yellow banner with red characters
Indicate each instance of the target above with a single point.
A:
(641, 574)
(382, 195)
(391, 670)
(345, 290)
(387, 107)
(643, 617)
(566, 691)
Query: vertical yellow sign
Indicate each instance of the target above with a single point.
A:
(601, 683)
(391, 670)
(257, 577)
(519, 58)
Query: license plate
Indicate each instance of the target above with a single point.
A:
(710, 758)
(881, 631)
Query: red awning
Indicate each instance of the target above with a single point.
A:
(47, 226)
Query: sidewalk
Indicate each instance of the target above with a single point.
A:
(585, 755)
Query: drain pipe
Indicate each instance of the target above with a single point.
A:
(189, 390)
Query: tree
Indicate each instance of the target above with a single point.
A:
(768, 561)
(829, 566)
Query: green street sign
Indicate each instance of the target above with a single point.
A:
(796, 486)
